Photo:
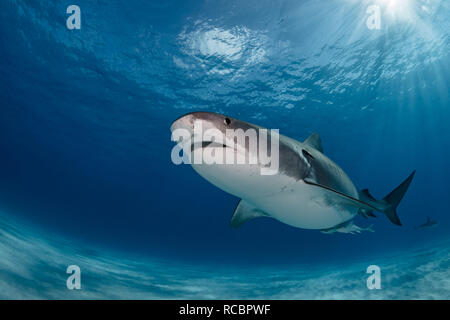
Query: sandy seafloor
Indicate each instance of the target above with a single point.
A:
(33, 266)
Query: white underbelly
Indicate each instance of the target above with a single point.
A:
(304, 206)
(281, 197)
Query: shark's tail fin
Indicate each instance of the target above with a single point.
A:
(393, 199)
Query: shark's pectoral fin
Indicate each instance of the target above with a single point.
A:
(244, 212)
(315, 142)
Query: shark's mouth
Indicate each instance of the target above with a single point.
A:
(205, 144)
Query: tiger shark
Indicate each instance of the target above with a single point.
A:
(308, 190)
(428, 224)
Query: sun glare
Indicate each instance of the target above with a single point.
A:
(398, 9)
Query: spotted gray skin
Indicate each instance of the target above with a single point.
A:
(291, 163)
(308, 191)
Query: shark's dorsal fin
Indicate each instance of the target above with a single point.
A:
(366, 193)
(244, 212)
(315, 142)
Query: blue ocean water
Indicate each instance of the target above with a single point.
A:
(85, 170)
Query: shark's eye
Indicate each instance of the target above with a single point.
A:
(227, 121)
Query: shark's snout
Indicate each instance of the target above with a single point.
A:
(185, 122)
(208, 120)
